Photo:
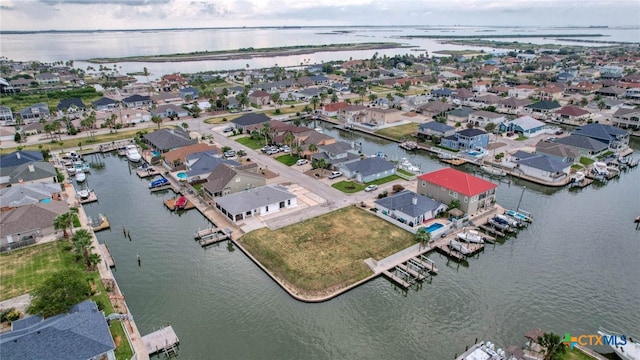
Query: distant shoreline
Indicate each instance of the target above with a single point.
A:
(249, 53)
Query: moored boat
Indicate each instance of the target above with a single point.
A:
(493, 170)
(471, 236)
(408, 166)
(181, 202)
(459, 247)
(80, 177)
(157, 182)
(84, 193)
(519, 215)
(132, 153)
(623, 345)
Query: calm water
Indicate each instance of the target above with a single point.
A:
(81, 46)
(573, 270)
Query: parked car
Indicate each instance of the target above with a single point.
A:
(301, 162)
(335, 174)
(285, 149)
(272, 151)
(559, 132)
(230, 153)
(370, 188)
(228, 129)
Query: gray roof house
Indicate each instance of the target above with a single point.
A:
(68, 104)
(34, 112)
(434, 128)
(104, 103)
(83, 333)
(541, 167)
(203, 163)
(32, 172)
(614, 137)
(586, 146)
(225, 180)
(336, 153)
(166, 110)
(20, 157)
(250, 119)
(260, 201)
(558, 151)
(27, 194)
(189, 91)
(136, 100)
(543, 107)
(34, 219)
(368, 169)
(526, 125)
(409, 207)
(165, 140)
(6, 116)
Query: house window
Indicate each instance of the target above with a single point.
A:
(443, 188)
(466, 199)
(289, 202)
(266, 208)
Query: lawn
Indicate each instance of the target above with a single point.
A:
(287, 159)
(317, 257)
(405, 172)
(577, 167)
(586, 161)
(575, 354)
(384, 180)
(219, 119)
(251, 143)
(287, 110)
(348, 187)
(400, 131)
(521, 138)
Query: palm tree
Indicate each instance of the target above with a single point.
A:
(372, 97)
(313, 147)
(60, 223)
(266, 131)
(319, 164)
(275, 97)
(334, 98)
(314, 101)
(82, 245)
(111, 122)
(156, 120)
(299, 150)
(323, 97)
(423, 237)
(552, 345)
(362, 92)
(289, 138)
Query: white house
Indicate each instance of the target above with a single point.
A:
(541, 167)
(260, 201)
(481, 118)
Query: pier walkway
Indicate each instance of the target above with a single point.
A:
(164, 341)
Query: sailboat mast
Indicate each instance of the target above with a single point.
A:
(520, 201)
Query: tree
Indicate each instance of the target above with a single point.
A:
(319, 164)
(266, 131)
(423, 237)
(313, 147)
(60, 223)
(583, 102)
(156, 120)
(552, 346)
(111, 122)
(453, 204)
(185, 126)
(59, 292)
(323, 98)
(289, 138)
(94, 260)
(275, 97)
(372, 97)
(314, 102)
(490, 127)
(334, 98)
(145, 71)
(65, 221)
(82, 245)
(195, 110)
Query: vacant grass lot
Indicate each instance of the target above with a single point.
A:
(287, 159)
(348, 187)
(326, 253)
(400, 131)
(251, 143)
(286, 110)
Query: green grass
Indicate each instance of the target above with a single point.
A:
(577, 167)
(286, 110)
(521, 138)
(384, 180)
(605, 155)
(24, 99)
(405, 172)
(251, 143)
(575, 354)
(448, 149)
(287, 159)
(586, 161)
(220, 119)
(348, 187)
(400, 131)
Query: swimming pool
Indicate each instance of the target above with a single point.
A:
(474, 153)
(155, 153)
(433, 227)
(182, 175)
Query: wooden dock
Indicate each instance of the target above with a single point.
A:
(106, 256)
(396, 279)
(113, 146)
(171, 204)
(584, 183)
(444, 248)
(164, 341)
(104, 225)
(429, 265)
(411, 272)
(163, 188)
(213, 238)
(491, 230)
(145, 173)
(454, 162)
(92, 198)
(409, 145)
(206, 232)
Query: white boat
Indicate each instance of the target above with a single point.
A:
(318, 129)
(511, 221)
(459, 247)
(577, 177)
(493, 170)
(484, 351)
(132, 153)
(623, 345)
(82, 167)
(84, 193)
(471, 236)
(519, 215)
(600, 169)
(80, 177)
(408, 166)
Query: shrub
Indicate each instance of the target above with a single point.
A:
(397, 188)
(4, 313)
(383, 194)
(13, 315)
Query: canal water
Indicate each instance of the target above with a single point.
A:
(574, 269)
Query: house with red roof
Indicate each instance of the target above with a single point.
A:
(572, 113)
(448, 184)
(332, 109)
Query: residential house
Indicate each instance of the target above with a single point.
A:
(136, 101)
(525, 125)
(522, 91)
(167, 110)
(586, 146)
(6, 116)
(558, 151)
(336, 154)
(305, 139)
(104, 104)
(174, 160)
(20, 157)
(435, 128)
(173, 81)
(481, 118)
(189, 92)
(164, 140)
(166, 97)
(611, 91)
(467, 139)
(383, 117)
(481, 86)
(632, 93)
(34, 112)
(82, 333)
(33, 129)
(611, 72)
(32, 172)
(21, 84)
(71, 105)
(442, 93)
(514, 105)
(542, 108)
(133, 116)
(541, 167)
(368, 169)
(463, 96)
(47, 79)
(550, 93)
(319, 79)
(332, 109)
(584, 88)
(460, 115)
(615, 138)
(434, 108)
(258, 201)
(409, 207)
(260, 98)
(347, 114)
(571, 113)
(250, 119)
(448, 184)
(627, 118)
(28, 194)
(28, 222)
(199, 165)
(226, 179)
(488, 99)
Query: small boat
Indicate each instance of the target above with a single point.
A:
(157, 182)
(493, 170)
(132, 153)
(511, 221)
(447, 156)
(459, 247)
(318, 129)
(408, 166)
(70, 167)
(181, 202)
(82, 167)
(623, 345)
(471, 236)
(80, 177)
(577, 177)
(485, 351)
(600, 169)
(84, 193)
(519, 215)
(500, 224)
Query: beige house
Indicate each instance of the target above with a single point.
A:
(350, 112)
(379, 116)
(225, 180)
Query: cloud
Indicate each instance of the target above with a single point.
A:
(6, 7)
(106, 2)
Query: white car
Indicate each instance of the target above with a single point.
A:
(301, 162)
(334, 174)
(370, 188)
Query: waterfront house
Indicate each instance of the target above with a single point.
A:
(463, 96)
(382, 117)
(448, 184)
(409, 207)
(539, 166)
(133, 116)
(615, 138)
(259, 201)
(260, 97)
(34, 112)
(460, 115)
(172, 81)
(435, 128)
(190, 92)
(167, 110)
(514, 105)
(542, 108)
(586, 146)
(368, 169)
(6, 116)
(332, 109)
(71, 105)
(481, 118)
(226, 179)
(442, 93)
(104, 104)
(336, 154)
(27, 194)
(627, 118)
(21, 225)
(611, 91)
(611, 72)
(250, 119)
(166, 97)
(20, 157)
(558, 151)
(522, 91)
(632, 93)
(434, 108)
(467, 139)
(31, 172)
(349, 113)
(524, 125)
(199, 165)
(47, 79)
(304, 139)
(136, 101)
(82, 333)
(488, 99)
(174, 160)
(550, 93)
(571, 113)
(164, 140)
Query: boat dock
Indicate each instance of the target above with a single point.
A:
(104, 224)
(454, 161)
(493, 231)
(165, 187)
(106, 256)
(584, 183)
(409, 145)
(456, 255)
(148, 172)
(92, 198)
(206, 232)
(171, 204)
(116, 145)
(164, 341)
(213, 238)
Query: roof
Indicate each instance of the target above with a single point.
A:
(181, 153)
(403, 201)
(31, 217)
(204, 162)
(167, 139)
(599, 131)
(487, 114)
(26, 194)
(544, 163)
(136, 98)
(544, 105)
(435, 106)
(515, 102)
(254, 198)
(259, 93)
(103, 101)
(83, 333)
(436, 126)
(583, 142)
(20, 157)
(571, 110)
(442, 92)
(251, 119)
(353, 108)
(338, 147)
(331, 107)
(473, 132)
(555, 149)
(458, 181)
(222, 175)
(35, 170)
(461, 112)
(64, 104)
(526, 123)
(370, 166)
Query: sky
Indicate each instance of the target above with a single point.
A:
(157, 14)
